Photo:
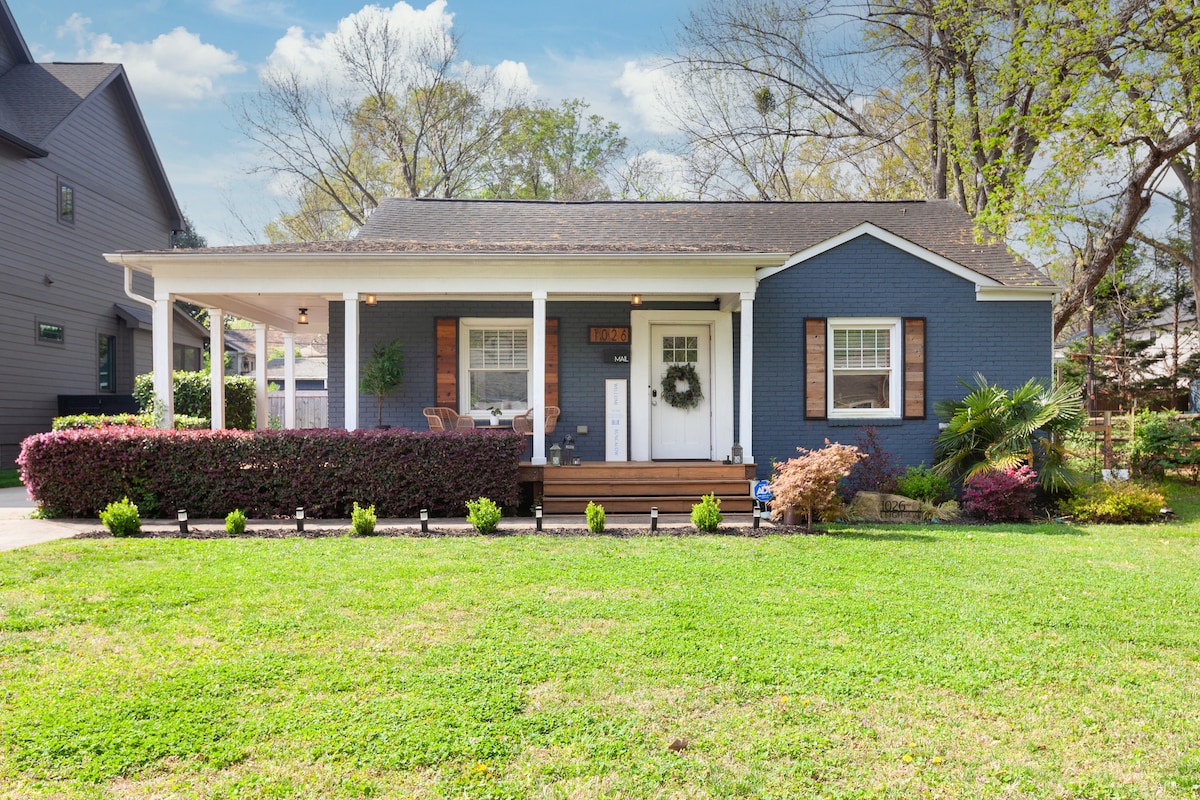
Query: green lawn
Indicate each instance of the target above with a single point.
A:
(9, 479)
(931, 661)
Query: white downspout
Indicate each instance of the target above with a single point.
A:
(164, 384)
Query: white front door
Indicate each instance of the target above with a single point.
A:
(681, 433)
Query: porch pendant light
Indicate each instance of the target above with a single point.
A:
(636, 300)
(371, 300)
(303, 318)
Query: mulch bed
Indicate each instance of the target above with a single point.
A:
(458, 533)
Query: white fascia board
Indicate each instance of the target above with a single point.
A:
(984, 294)
(899, 242)
(440, 274)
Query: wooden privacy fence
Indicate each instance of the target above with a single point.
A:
(312, 410)
(1112, 430)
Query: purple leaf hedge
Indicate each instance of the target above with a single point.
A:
(76, 473)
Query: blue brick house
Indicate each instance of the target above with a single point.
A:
(789, 323)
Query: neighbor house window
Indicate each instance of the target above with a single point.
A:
(187, 359)
(108, 363)
(864, 368)
(495, 365)
(66, 202)
(50, 333)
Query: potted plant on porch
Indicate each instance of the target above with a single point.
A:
(383, 373)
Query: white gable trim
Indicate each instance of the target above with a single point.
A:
(887, 237)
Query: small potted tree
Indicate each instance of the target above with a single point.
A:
(383, 373)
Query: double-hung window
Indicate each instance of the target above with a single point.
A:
(865, 356)
(495, 365)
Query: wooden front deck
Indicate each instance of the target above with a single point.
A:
(625, 487)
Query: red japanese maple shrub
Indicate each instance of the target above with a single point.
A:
(1003, 495)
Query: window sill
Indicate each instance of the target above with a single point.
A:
(858, 422)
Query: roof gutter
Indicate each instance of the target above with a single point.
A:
(28, 148)
(132, 294)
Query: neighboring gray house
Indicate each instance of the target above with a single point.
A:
(799, 321)
(79, 177)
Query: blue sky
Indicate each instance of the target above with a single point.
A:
(189, 60)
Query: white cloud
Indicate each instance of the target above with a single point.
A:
(174, 68)
(647, 88)
(314, 57)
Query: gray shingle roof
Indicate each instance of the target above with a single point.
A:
(776, 227)
(36, 98)
(403, 225)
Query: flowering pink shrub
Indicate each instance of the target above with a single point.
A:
(1004, 495)
(75, 473)
(809, 481)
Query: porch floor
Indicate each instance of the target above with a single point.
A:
(633, 487)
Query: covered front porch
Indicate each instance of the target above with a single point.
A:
(601, 333)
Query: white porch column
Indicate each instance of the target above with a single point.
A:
(538, 400)
(746, 395)
(216, 371)
(164, 354)
(261, 419)
(351, 356)
(289, 379)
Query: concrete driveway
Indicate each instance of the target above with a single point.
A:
(18, 530)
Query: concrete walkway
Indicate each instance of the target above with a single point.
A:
(17, 529)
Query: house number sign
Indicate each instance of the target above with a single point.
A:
(598, 335)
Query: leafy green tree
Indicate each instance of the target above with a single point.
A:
(555, 154)
(383, 373)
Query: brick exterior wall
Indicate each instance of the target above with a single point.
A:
(1008, 342)
(582, 370)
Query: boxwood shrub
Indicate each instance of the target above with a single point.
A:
(75, 473)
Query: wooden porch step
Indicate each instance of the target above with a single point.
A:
(666, 504)
(633, 487)
(691, 487)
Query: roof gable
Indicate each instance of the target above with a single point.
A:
(887, 237)
(13, 49)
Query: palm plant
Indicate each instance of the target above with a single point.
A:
(993, 428)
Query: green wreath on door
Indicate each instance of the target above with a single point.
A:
(677, 374)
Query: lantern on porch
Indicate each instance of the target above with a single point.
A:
(737, 453)
(569, 448)
(555, 455)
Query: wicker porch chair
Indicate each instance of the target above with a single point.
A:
(441, 418)
(524, 422)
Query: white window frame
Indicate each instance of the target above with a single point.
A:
(896, 358)
(465, 326)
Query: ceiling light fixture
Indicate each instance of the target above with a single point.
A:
(371, 300)
(303, 318)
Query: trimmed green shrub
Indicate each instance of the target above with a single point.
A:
(193, 397)
(1119, 501)
(235, 522)
(362, 520)
(121, 518)
(920, 483)
(595, 517)
(483, 514)
(183, 422)
(75, 473)
(706, 515)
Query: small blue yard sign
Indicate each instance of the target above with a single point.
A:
(762, 491)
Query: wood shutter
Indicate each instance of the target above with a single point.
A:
(551, 362)
(446, 393)
(447, 362)
(914, 368)
(814, 369)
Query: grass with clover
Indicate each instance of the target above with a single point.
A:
(915, 661)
